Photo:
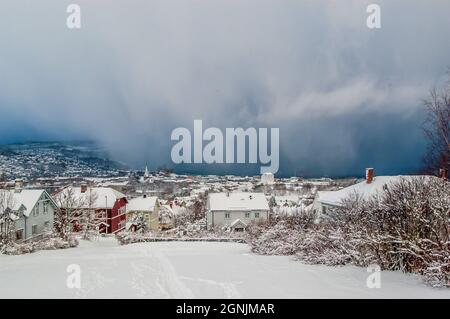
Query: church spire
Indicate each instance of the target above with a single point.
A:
(146, 173)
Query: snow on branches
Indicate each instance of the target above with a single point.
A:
(406, 227)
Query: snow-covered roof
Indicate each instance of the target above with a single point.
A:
(237, 201)
(105, 197)
(26, 197)
(142, 204)
(238, 222)
(363, 189)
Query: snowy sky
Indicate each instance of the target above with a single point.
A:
(344, 97)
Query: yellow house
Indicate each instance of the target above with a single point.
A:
(166, 217)
(146, 207)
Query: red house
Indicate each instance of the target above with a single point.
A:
(109, 206)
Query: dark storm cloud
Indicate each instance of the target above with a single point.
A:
(344, 96)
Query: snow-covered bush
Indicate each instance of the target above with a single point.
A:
(281, 236)
(406, 227)
(280, 239)
(56, 243)
(127, 237)
(195, 230)
(18, 249)
(48, 243)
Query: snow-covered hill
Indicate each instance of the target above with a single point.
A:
(191, 270)
(31, 160)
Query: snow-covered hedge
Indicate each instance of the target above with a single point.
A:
(406, 228)
(195, 230)
(44, 244)
(279, 239)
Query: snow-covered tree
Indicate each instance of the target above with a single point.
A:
(7, 218)
(437, 129)
(89, 219)
(405, 227)
(70, 208)
(140, 223)
(272, 202)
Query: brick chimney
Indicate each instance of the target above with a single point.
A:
(83, 188)
(369, 175)
(443, 173)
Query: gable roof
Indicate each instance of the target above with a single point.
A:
(237, 201)
(238, 223)
(142, 204)
(106, 197)
(26, 198)
(363, 189)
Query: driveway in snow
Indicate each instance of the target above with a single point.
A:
(191, 270)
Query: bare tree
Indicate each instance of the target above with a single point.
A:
(436, 128)
(90, 219)
(7, 217)
(70, 209)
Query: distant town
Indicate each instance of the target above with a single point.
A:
(54, 167)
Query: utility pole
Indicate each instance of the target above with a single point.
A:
(106, 214)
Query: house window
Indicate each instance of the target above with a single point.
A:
(45, 208)
(35, 211)
(227, 215)
(256, 215)
(47, 224)
(19, 234)
(34, 229)
(247, 215)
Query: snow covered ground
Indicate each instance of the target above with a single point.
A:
(191, 270)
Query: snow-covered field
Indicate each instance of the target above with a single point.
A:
(191, 270)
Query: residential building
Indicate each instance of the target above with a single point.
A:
(236, 210)
(326, 201)
(145, 207)
(108, 204)
(33, 212)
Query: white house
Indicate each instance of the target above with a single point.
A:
(33, 212)
(236, 210)
(325, 201)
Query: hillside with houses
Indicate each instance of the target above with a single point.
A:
(316, 221)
